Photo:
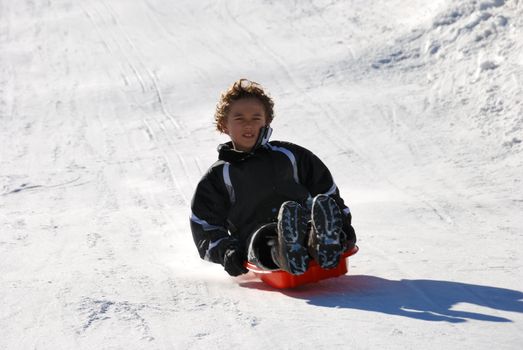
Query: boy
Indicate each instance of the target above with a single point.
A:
(273, 203)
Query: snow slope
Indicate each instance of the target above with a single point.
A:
(106, 127)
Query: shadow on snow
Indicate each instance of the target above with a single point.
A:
(428, 300)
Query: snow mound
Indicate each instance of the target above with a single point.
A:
(470, 47)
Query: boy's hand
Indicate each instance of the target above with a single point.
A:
(233, 262)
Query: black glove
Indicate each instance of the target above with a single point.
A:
(233, 262)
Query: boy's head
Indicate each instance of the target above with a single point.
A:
(242, 89)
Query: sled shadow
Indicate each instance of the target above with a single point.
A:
(428, 300)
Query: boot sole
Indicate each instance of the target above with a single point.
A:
(327, 221)
(292, 237)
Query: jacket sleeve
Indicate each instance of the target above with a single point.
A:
(316, 177)
(209, 208)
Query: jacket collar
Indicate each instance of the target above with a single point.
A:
(227, 152)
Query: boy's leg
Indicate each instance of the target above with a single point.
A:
(348, 237)
(325, 244)
(290, 253)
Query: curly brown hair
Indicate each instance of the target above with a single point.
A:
(243, 88)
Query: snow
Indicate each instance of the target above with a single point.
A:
(106, 126)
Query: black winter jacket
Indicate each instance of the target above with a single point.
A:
(244, 190)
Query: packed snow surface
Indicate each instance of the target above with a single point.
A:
(106, 126)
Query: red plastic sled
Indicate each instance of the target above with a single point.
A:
(281, 279)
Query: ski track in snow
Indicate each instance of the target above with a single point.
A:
(106, 127)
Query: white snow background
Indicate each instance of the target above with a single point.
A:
(106, 126)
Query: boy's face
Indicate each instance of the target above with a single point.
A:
(243, 122)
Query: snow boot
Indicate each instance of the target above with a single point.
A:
(324, 243)
(290, 253)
